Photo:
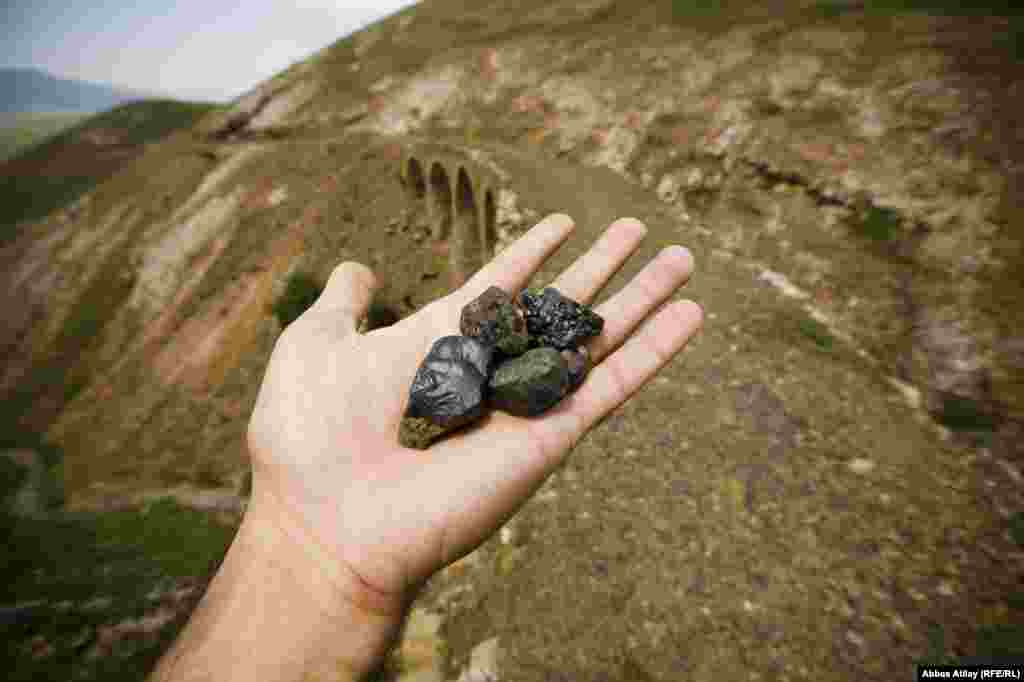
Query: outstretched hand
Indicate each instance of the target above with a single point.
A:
(376, 518)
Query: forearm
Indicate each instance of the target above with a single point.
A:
(267, 616)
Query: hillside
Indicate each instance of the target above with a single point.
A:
(26, 90)
(56, 171)
(20, 131)
(828, 483)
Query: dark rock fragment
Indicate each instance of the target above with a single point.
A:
(529, 384)
(557, 321)
(419, 433)
(457, 348)
(518, 354)
(494, 319)
(448, 390)
(579, 365)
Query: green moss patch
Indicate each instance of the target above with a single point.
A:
(1000, 641)
(686, 9)
(816, 332)
(876, 223)
(991, 644)
(75, 556)
(11, 477)
(1017, 529)
(32, 198)
(963, 414)
(117, 556)
(300, 292)
(835, 8)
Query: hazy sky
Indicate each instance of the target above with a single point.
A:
(199, 49)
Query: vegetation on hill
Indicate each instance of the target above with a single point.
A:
(54, 173)
(76, 575)
(18, 132)
(301, 291)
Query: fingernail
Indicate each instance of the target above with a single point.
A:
(561, 221)
(678, 253)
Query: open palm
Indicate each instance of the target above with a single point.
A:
(324, 433)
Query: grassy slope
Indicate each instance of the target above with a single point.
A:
(54, 173)
(118, 556)
(18, 132)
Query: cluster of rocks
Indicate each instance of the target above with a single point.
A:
(521, 355)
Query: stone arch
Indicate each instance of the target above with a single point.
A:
(460, 196)
(415, 179)
(489, 224)
(470, 255)
(440, 201)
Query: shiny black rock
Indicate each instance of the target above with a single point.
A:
(556, 321)
(449, 387)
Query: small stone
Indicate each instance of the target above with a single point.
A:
(419, 652)
(418, 433)
(462, 349)
(483, 662)
(557, 321)
(447, 391)
(861, 465)
(494, 319)
(579, 364)
(530, 384)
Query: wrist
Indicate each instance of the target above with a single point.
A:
(351, 626)
(278, 610)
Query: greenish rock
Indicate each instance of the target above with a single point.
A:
(419, 433)
(529, 384)
(493, 318)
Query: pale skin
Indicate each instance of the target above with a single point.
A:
(345, 524)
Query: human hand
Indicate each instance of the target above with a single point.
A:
(376, 518)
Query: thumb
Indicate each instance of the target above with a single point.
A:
(347, 295)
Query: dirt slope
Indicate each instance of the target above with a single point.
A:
(821, 482)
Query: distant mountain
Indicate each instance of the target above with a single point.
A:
(32, 90)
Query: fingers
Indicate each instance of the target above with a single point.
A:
(585, 278)
(484, 491)
(347, 295)
(512, 268)
(621, 375)
(654, 285)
